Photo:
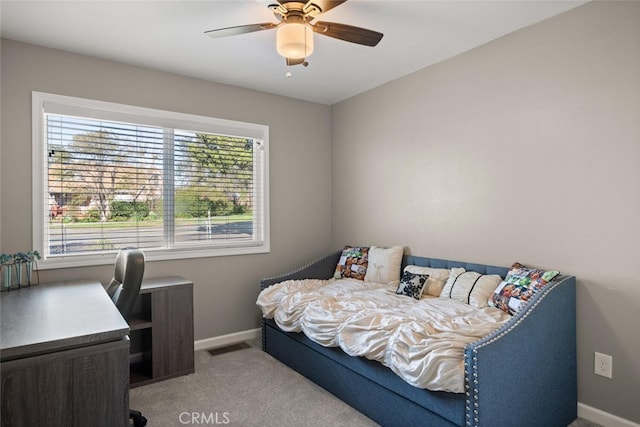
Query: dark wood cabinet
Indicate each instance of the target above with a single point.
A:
(162, 331)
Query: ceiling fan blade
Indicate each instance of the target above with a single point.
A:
(241, 29)
(294, 61)
(348, 33)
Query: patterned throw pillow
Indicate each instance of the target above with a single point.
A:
(353, 263)
(412, 284)
(437, 278)
(519, 286)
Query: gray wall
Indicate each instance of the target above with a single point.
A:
(300, 184)
(524, 149)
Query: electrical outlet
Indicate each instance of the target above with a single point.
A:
(603, 365)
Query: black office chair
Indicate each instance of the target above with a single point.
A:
(123, 290)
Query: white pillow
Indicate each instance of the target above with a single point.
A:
(435, 282)
(470, 287)
(384, 265)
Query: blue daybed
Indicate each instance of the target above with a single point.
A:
(523, 374)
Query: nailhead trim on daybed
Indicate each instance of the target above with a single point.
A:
(317, 263)
(494, 336)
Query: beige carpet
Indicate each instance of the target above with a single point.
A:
(246, 387)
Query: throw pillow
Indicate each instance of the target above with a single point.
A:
(384, 265)
(412, 285)
(437, 278)
(353, 263)
(519, 286)
(470, 287)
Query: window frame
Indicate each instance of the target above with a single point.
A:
(61, 104)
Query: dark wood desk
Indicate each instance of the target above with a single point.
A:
(64, 352)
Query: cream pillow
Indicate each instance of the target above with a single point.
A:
(384, 265)
(470, 287)
(437, 278)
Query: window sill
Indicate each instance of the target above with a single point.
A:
(150, 256)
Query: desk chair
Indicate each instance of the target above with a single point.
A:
(123, 290)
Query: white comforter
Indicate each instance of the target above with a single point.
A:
(422, 341)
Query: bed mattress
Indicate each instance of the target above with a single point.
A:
(422, 341)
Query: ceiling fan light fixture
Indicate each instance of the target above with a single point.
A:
(294, 40)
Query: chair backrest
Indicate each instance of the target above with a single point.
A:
(127, 278)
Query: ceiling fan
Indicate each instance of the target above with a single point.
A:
(294, 39)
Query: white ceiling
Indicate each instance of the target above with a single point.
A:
(169, 36)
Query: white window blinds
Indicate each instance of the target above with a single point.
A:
(121, 176)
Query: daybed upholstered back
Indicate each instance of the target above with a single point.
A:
(324, 267)
(443, 263)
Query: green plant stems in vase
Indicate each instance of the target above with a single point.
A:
(30, 265)
(6, 277)
(9, 262)
(28, 271)
(18, 267)
(6, 265)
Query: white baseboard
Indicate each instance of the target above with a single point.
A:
(603, 418)
(225, 340)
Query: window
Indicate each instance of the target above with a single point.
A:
(110, 176)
